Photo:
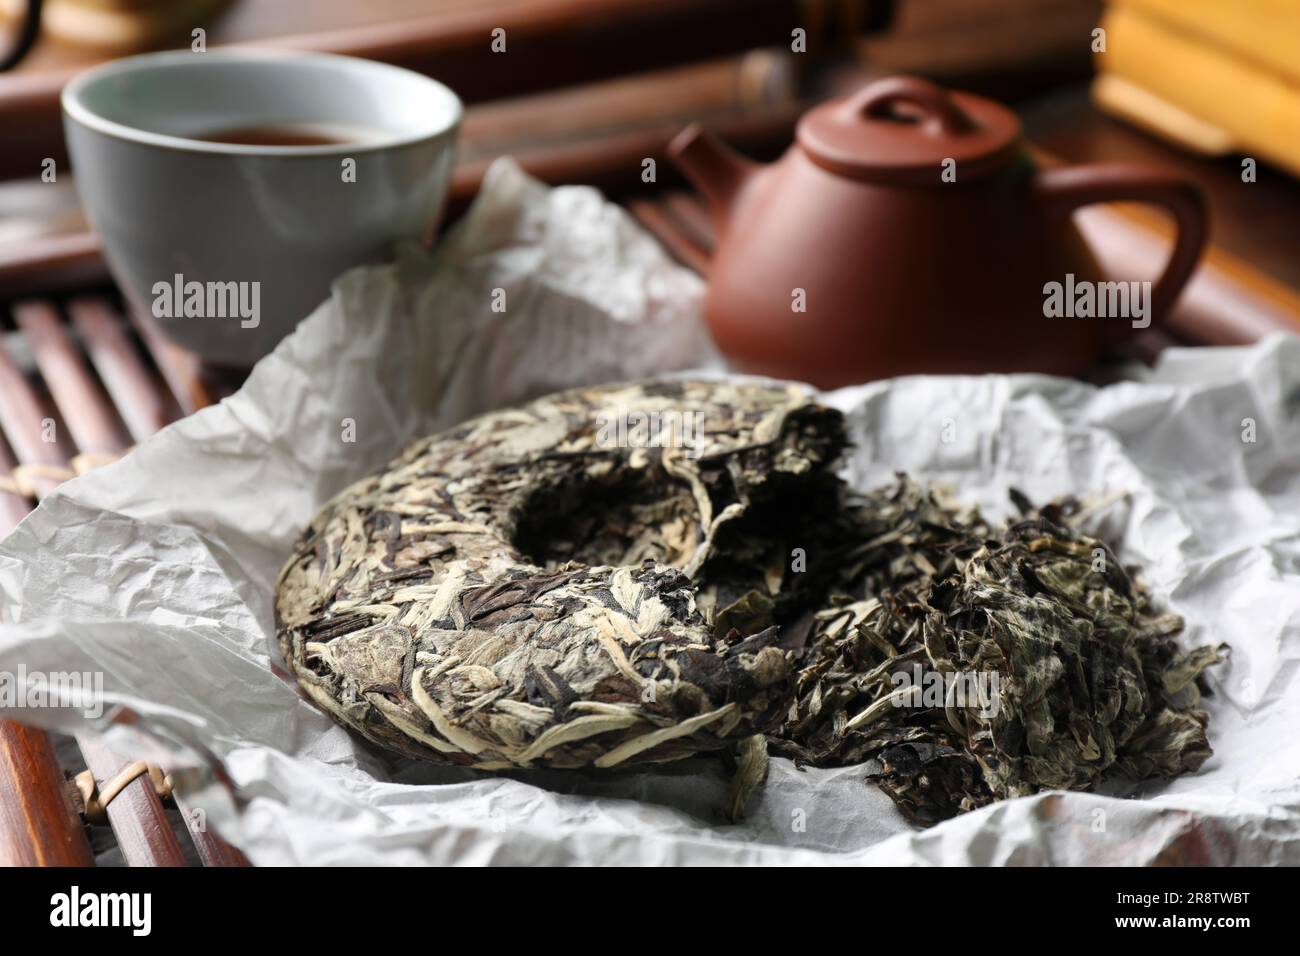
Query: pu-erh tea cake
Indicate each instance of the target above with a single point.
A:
(633, 574)
(517, 592)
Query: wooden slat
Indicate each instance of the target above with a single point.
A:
(694, 218)
(659, 219)
(182, 370)
(132, 386)
(21, 417)
(612, 161)
(560, 43)
(1019, 44)
(94, 426)
(753, 83)
(38, 825)
(41, 264)
(13, 506)
(139, 822)
(213, 851)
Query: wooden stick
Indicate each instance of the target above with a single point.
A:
(613, 162)
(694, 218)
(144, 406)
(659, 219)
(182, 369)
(42, 263)
(753, 84)
(38, 824)
(213, 851)
(139, 822)
(23, 418)
(85, 407)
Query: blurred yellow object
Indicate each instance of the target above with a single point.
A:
(1127, 100)
(1266, 32)
(1170, 74)
(118, 25)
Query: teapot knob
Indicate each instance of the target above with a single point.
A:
(875, 101)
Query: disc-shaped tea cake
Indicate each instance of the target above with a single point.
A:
(521, 591)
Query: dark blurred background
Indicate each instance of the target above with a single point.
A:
(588, 87)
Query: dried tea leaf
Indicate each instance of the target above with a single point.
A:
(511, 592)
(749, 774)
(1049, 668)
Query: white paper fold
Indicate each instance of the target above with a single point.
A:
(157, 572)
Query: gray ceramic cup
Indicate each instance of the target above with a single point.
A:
(202, 233)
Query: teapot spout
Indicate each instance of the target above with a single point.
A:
(713, 168)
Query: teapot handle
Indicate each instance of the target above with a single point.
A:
(1062, 190)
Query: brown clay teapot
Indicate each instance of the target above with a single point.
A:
(915, 233)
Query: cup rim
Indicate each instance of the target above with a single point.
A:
(71, 100)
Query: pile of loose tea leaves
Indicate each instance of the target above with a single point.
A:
(965, 664)
(637, 573)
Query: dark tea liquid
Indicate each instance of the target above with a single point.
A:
(289, 134)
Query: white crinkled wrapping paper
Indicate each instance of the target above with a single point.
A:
(158, 570)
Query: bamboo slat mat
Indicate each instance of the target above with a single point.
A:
(80, 383)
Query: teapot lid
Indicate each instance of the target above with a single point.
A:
(903, 128)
